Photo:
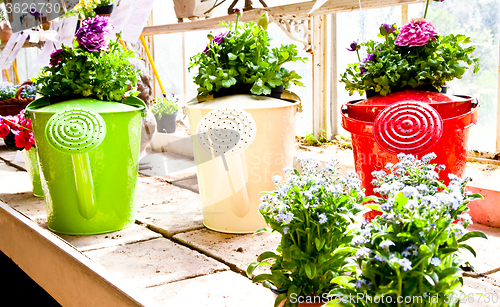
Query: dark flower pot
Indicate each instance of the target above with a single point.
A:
(429, 88)
(104, 10)
(245, 89)
(166, 123)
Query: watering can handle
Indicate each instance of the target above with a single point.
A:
(136, 102)
(76, 132)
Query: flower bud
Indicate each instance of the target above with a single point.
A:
(263, 21)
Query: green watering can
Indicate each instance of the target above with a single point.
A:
(88, 151)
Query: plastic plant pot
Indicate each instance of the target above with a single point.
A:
(166, 123)
(240, 143)
(410, 126)
(31, 162)
(88, 153)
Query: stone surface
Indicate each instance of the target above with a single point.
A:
(238, 251)
(480, 293)
(31, 206)
(132, 234)
(168, 165)
(167, 208)
(487, 251)
(190, 183)
(154, 262)
(225, 289)
(177, 142)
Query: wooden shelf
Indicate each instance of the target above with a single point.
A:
(297, 9)
(26, 45)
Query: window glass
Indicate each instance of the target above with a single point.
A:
(477, 19)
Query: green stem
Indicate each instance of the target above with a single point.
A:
(400, 286)
(359, 58)
(213, 51)
(426, 7)
(236, 24)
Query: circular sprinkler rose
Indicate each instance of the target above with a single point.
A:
(418, 32)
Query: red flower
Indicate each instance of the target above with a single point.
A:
(4, 129)
(24, 139)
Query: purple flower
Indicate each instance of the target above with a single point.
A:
(219, 39)
(386, 29)
(56, 56)
(91, 35)
(238, 11)
(33, 12)
(418, 32)
(353, 46)
(369, 57)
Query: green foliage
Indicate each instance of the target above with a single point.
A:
(165, 106)
(312, 212)
(243, 56)
(396, 67)
(107, 75)
(412, 250)
(8, 91)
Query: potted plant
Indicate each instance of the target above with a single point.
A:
(313, 213)
(14, 98)
(412, 57)
(104, 7)
(165, 110)
(89, 8)
(193, 9)
(87, 130)
(407, 68)
(235, 122)
(409, 256)
(17, 133)
(240, 60)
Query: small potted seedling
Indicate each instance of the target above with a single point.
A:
(165, 110)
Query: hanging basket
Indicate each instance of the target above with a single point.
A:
(13, 106)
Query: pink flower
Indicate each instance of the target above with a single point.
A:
(417, 32)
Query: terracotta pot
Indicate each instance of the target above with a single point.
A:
(192, 9)
(5, 33)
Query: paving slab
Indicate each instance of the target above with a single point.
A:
(479, 293)
(225, 289)
(238, 251)
(167, 208)
(154, 262)
(487, 251)
(31, 206)
(190, 183)
(169, 165)
(14, 181)
(6, 169)
(132, 234)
